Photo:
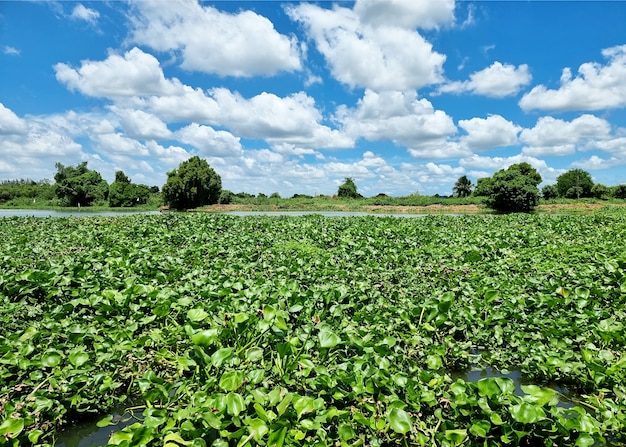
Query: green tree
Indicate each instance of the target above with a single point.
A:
(348, 189)
(79, 186)
(193, 184)
(483, 187)
(549, 192)
(514, 189)
(123, 193)
(574, 184)
(463, 187)
(619, 191)
(600, 191)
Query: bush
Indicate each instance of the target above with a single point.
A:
(514, 189)
(549, 192)
(193, 184)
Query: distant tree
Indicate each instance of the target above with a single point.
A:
(600, 191)
(463, 187)
(79, 185)
(226, 197)
(483, 187)
(193, 184)
(619, 191)
(123, 193)
(574, 184)
(275, 195)
(154, 189)
(514, 189)
(549, 192)
(348, 189)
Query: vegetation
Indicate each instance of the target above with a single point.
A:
(192, 185)
(123, 193)
(574, 184)
(348, 189)
(463, 187)
(218, 330)
(79, 186)
(513, 189)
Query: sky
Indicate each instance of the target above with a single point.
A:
(403, 96)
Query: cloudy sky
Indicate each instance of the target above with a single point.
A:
(292, 97)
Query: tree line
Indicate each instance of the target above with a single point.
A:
(195, 183)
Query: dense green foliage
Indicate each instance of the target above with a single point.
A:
(124, 193)
(348, 189)
(315, 331)
(549, 192)
(192, 185)
(30, 190)
(574, 184)
(79, 185)
(514, 189)
(463, 187)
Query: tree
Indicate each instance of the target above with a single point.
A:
(463, 187)
(600, 191)
(514, 189)
(193, 184)
(123, 193)
(348, 189)
(619, 191)
(574, 184)
(549, 192)
(483, 187)
(77, 186)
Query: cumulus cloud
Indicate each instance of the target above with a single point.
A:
(80, 12)
(493, 164)
(363, 50)
(210, 142)
(551, 136)
(139, 124)
(595, 87)
(10, 123)
(211, 41)
(134, 74)
(497, 81)
(486, 133)
(396, 116)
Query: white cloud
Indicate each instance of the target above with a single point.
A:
(80, 12)
(396, 116)
(595, 163)
(210, 142)
(498, 81)
(11, 51)
(139, 124)
(370, 54)
(552, 136)
(10, 123)
(211, 41)
(596, 87)
(494, 164)
(405, 13)
(135, 74)
(486, 133)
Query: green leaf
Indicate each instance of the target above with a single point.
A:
(105, 421)
(328, 339)
(254, 354)
(399, 420)
(346, 432)
(12, 427)
(277, 437)
(231, 380)
(539, 395)
(488, 387)
(197, 315)
(206, 337)
(51, 359)
(527, 413)
(303, 405)
(257, 429)
(455, 436)
(78, 358)
(234, 404)
(174, 439)
(480, 428)
(220, 356)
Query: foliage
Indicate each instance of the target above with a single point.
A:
(600, 191)
(619, 191)
(348, 189)
(220, 330)
(549, 192)
(514, 189)
(27, 189)
(226, 197)
(123, 193)
(483, 187)
(574, 184)
(79, 186)
(463, 187)
(192, 185)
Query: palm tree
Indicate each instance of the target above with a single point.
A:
(463, 187)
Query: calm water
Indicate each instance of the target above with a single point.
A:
(53, 213)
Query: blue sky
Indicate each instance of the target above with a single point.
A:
(292, 97)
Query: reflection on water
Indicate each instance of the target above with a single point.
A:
(88, 434)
